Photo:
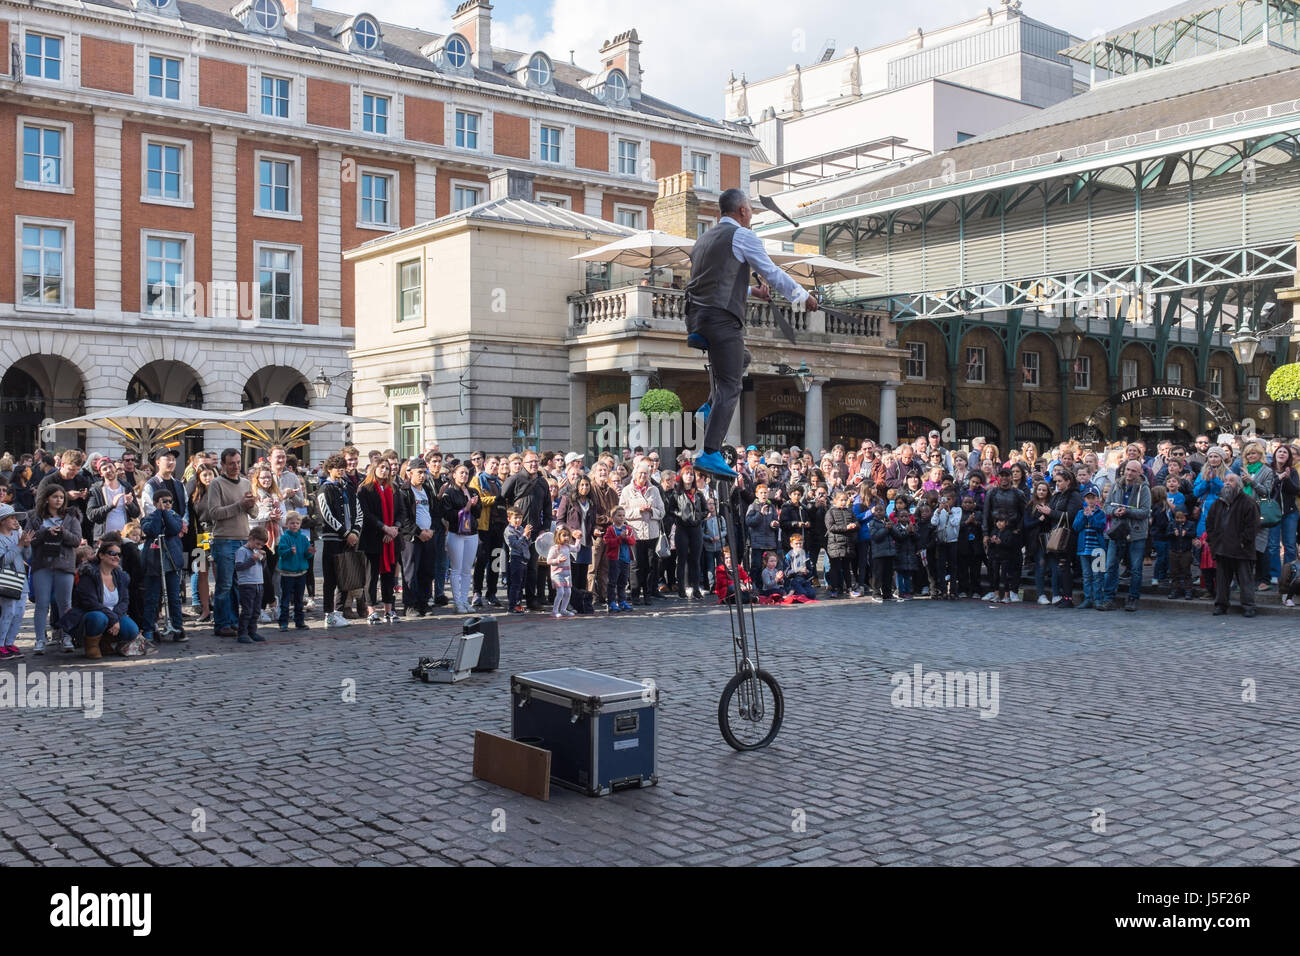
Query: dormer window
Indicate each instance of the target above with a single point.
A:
(366, 32)
(360, 34)
(259, 16)
(616, 86)
(156, 6)
(456, 51)
(539, 70)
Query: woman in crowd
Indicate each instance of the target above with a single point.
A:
(270, 518)
(198, 537)
(23, 487)
(1259, 481)
(1065, 504)
(690, 508)
(1282, 537)
(377, 497)
(56, 530)
(460, 506)
(644, 508)
(990, 453)
(577, 512)
(1038, 525)
(99, 603)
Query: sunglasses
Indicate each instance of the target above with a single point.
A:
(113, 554)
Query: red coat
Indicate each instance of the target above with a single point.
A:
(722, 581)
(613, 540)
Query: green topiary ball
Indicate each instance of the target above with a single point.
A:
(1284, 383)
(661, 401)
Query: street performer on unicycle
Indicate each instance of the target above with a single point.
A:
(752, 706)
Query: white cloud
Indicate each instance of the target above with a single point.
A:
(689, 48)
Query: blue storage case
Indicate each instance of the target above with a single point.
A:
(599, 729)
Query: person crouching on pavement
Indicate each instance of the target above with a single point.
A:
(798, 577)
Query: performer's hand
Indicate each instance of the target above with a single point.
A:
(761, 291)
(811, 303)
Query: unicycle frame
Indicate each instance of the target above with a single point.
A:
(742, 632)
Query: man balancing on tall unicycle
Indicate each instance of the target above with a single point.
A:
(752, 707)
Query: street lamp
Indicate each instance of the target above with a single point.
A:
(322, 383)
(802, 375)
(1246, 342)
(1069, 339)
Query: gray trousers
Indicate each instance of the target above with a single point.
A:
(726, 335)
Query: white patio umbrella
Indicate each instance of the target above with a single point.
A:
(823, 270)
(286, 425)
(146, 427)
(647, 249)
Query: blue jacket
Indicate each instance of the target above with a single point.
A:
(1091, 530)
(759, 520)
(1206, 491)
(293, 564)
(862, 513)
(166, 525)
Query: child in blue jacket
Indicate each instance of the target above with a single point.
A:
(293, 551)
(1090, 526)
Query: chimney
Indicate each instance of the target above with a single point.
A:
(624, 53)
(473, 21)
(298, 15)
(510, 184)
(677, 210)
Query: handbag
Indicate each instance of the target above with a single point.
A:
(663, 549)
(1059, 539)
(465, 522)
(1118, 530)
(12, 583)
(1270, 513)
(351, 570)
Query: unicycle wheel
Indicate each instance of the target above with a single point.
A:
(730, 455)
(750, 711)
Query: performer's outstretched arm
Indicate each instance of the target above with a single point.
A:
(749, 248)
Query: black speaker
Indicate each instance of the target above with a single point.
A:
(489, 656)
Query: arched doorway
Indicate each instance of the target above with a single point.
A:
(914, 427)
(171, 383)
(971, 428)
(1036, 432)
(850, 429)
(35, 389)
(276, 385)
(780, 430)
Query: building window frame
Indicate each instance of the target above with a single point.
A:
(917, 358)
(704, 181)
(43, 58)
(1252, 388)
(66, 164)
(184, 306)
(467, 127)
(555, 199)
(977, 358)
(68, 292)
(373, 118)
(629, 161)
(550, 144)
(1081, 374)
(274, 96)
(416, 318)
(703, 224)
(621, 209)
(528, 411)
(1031, 365)
(294, 186)
(460, 185)
(1128, 381)
(185, 199)
(1215, 382)
(1173, 373)
(402, 429)
(164, 59)
(295, 283)
(391, 203)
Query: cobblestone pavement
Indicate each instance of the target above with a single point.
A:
(1137, 717)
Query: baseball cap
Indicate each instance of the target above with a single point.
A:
(161, 452)
(571, 457)
(1091, 493)
(751, 448)
(6, 511)
(934, 433)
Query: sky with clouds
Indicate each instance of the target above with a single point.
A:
(689, 48)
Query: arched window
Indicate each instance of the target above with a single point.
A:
(456, 51)
(780, 430)
(850, 428)
(539, 70)
(616, 86)
(1036, 432)
(914, 427)
(266, 13)
(975, 427)
(366, 33)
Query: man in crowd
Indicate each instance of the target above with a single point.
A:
(420, 517)
(230, 503)
(1230, 530)
(606, 500)
(1129, 502)
(436, 481)
(70, 475)
(491, 526)
(528, 493)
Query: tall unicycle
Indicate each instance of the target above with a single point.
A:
(752, 706)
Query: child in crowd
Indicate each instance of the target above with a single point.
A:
(713, 530)
(925, 549)
(906, 561)
(1162, 519)
(725, 588)
(520, 551)
(798, 577)
(164, 559)
(15, 553)
(248, 580)
(560, 560)
(1173, 490)
(1090, 527)
(764, 522)
(773, 578)
(861, 505)
(1182, 542)
(970, 548)
(620, 539)
(131, 538)
(841, 543)
(294, 550)
(946, 521)
(884, 545)
(1004, 552)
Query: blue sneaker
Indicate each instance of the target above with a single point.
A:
(697, 341)
(713, 463)
(703, 412)
(625, 606)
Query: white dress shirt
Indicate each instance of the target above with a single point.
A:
(748, 248)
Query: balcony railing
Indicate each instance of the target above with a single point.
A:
(646, 308)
